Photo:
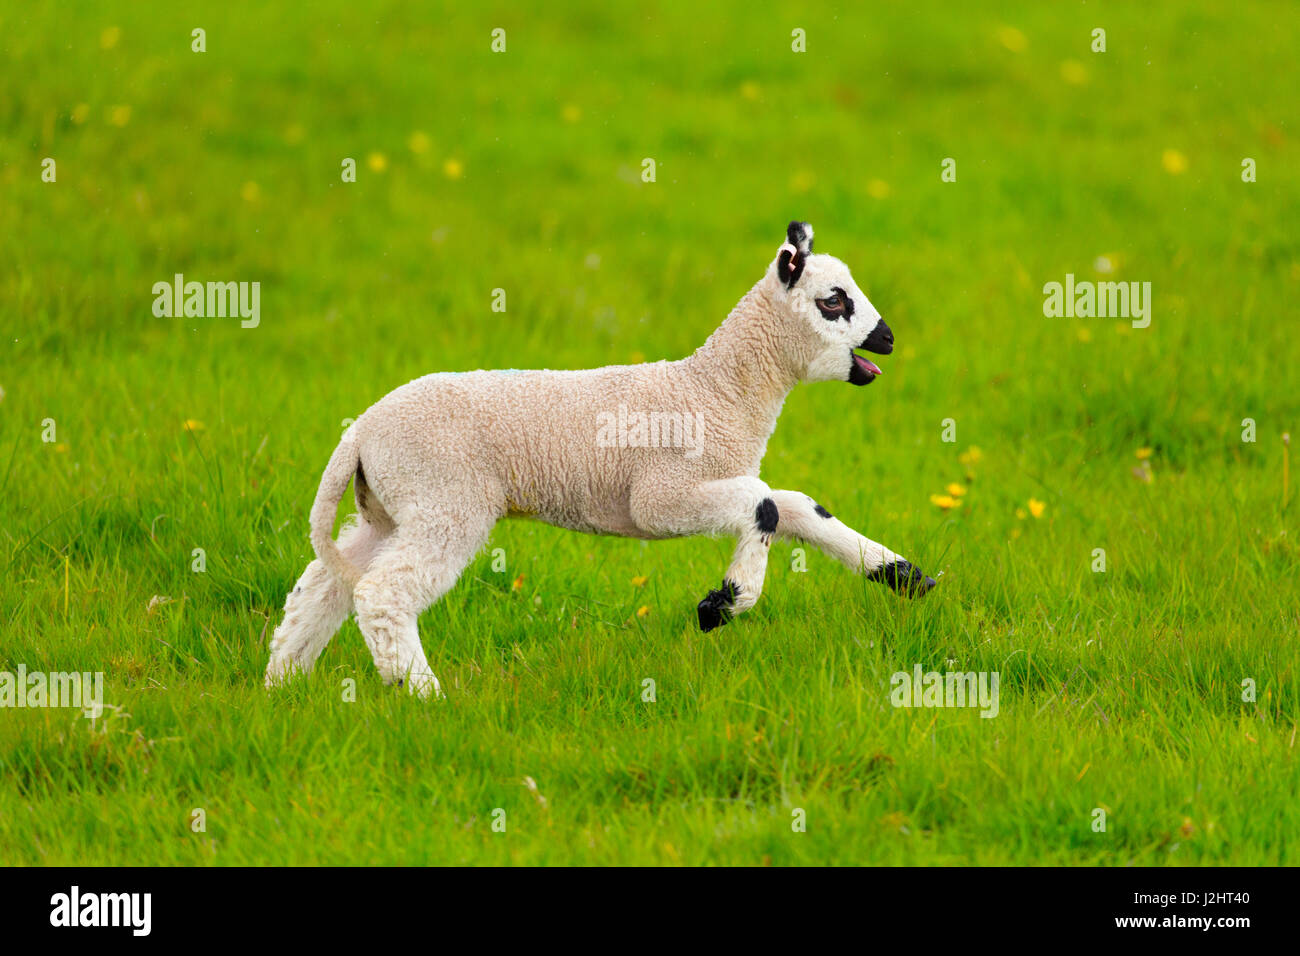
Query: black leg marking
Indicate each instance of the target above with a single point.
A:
(903, 577)
(766, 517)
(715, 609)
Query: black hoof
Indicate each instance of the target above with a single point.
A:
(904, 578)
(715, 609)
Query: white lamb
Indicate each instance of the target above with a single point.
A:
(440, 460)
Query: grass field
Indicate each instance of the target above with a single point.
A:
(1120, 690)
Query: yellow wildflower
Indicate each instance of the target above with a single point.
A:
(1074, 72)
(1012, 39)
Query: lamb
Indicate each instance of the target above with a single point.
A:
(437, 462)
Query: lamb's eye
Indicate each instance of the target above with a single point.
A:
(832, 307)
(836, 306)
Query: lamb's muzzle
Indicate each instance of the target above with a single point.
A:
(880, 341)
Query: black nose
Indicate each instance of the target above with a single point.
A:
(880, 341)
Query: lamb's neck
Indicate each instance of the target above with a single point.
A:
(744, 362)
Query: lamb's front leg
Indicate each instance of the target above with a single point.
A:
(806, 520)
(739, 507)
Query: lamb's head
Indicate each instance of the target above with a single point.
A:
(831, 315)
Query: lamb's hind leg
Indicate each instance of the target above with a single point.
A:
(318, 605)
(422, 562)
(740, 507)
(805, 520)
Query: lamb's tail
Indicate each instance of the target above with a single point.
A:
(333, 484)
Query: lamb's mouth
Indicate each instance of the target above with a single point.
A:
(881, 341)
(863, 371)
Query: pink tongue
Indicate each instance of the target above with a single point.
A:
(866, 365)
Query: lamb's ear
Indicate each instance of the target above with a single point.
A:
(794, 252)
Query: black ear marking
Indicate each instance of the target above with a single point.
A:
(800, 235)
(794, 252)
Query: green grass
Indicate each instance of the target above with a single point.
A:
(1120, 690)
